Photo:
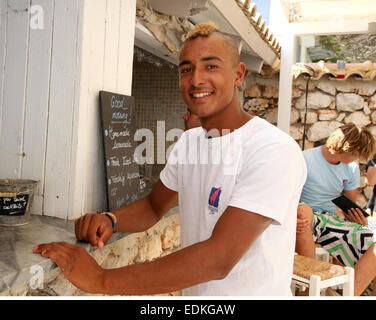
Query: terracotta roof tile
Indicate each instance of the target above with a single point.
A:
(361, 71)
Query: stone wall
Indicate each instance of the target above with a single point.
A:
(331, 103)
(160, 240)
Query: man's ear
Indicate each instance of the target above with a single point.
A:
(240, 73)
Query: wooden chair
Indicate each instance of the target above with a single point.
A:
(321, 254)
(319, 275)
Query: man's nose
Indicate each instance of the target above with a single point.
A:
(198, 77)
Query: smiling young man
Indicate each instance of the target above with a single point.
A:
(237, 207)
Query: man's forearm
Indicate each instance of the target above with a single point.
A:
(212, 259)
(136, 217)
(184, 268)
(144, 213)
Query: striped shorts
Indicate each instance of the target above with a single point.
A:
(344, 240)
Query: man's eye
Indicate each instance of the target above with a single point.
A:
(212, 66)
(185, 70)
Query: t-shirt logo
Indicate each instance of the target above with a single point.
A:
(344, 182)
(215, 193)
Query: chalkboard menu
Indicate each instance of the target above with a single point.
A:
(13, 205)
(122, 175)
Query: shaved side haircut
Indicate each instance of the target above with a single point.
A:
(208, 29)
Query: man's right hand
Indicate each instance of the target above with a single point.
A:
(94, 228)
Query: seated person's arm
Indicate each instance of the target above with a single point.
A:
(352, 194)
(371, 176)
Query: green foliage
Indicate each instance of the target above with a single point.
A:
(332, 44)
(352, 48)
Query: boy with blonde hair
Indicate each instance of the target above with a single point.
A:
(332, 170)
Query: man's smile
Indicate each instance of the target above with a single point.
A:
(201, 94)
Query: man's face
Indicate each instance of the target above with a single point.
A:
(347, 157)
(207, 76)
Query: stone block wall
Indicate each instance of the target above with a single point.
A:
(331, 103)
(160, 240)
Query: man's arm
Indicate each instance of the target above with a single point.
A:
(138, 216)
(233, 235)
(144, 213)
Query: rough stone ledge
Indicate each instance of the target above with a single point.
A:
(16, 257)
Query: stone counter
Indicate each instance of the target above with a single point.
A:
(18, 264)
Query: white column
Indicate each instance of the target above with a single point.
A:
(107, 64)
(285, 80)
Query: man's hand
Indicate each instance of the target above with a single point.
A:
(77, 265)
(94, 228)
(355, 215)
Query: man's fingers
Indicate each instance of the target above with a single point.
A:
(77, 229)
(94, 228)
(57, 252)
(104, 236)
(62, 246)
(93, 231)
(85, 226)
(82, 226)
(361, 218)
(78, 225)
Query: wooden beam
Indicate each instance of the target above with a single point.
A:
(238, 20)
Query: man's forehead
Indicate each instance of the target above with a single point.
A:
(205, 48)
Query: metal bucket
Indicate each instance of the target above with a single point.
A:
(16, 199)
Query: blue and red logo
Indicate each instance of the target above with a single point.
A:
(344, 182)
(215, 193)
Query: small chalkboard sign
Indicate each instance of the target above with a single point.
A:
(13, 205)
(122, 174)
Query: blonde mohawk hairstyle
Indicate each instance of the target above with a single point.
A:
(206, 29)
(201, 30)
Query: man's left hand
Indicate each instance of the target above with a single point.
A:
(77, 265)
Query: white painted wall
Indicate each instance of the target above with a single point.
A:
(107, 62)
(49, 106)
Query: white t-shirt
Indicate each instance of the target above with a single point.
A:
(262, 170)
